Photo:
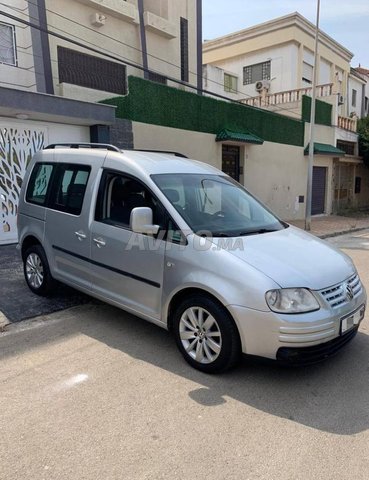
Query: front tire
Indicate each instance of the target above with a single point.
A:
(206, 334)
(37, 272)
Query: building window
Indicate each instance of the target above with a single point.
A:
(254, 73)
(347, 147)
(354, 95)
(91, 72)
(366, 104)
(184, 49)
(230, 83)
(307, 73)
(7, 44)
(156, 77)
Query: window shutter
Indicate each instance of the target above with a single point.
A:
(88, 71)
(184, 49)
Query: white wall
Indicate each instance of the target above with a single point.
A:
(196, 145)
(276, 174)
(273, 172)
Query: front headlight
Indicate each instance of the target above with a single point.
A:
(291, 300)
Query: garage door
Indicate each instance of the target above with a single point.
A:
(318, 194)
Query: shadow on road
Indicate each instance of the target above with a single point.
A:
(332, 396)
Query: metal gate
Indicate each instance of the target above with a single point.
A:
(319, 189)
(231, 161)
(18, 143)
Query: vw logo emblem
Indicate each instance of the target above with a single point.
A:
(349, 292)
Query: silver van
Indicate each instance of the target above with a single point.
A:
(179, 243)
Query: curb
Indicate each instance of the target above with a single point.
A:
(343, 232)
(3, 321)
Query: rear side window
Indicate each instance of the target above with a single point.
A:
(68, 189)
(38, 183)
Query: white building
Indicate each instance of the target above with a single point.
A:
(364, 74)
(271, 66)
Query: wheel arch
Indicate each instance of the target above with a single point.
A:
(184, 293)
(27, 242)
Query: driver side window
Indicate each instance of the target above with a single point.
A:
(119, 195)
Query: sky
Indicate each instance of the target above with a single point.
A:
(345, 21)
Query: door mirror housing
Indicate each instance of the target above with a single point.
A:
(141, 221)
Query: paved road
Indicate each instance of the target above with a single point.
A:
(94, 393)
(17, 302)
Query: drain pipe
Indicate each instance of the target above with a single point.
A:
(312, 125)
(143, 38)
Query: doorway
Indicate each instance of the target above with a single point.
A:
(231, 161)
(319, 190)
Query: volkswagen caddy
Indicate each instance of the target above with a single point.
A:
(180, 244)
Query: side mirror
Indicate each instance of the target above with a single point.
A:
(141, 221)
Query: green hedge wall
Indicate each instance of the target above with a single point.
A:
(150, 102)
(323, 111)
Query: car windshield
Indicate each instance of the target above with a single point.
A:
(216, 205)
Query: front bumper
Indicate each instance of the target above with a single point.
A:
(310, 355)
(295, 339)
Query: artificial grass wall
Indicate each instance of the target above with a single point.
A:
(150, 102)
(323, 111)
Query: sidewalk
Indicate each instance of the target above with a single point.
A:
(332, 225)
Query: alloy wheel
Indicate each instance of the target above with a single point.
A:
(34, 270)
(200, 335)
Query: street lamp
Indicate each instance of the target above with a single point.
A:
(312, 125)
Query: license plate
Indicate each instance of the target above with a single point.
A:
(352, 319)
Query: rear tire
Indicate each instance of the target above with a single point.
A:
(206, 334)
(37, 272)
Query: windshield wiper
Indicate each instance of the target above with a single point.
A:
(256, 232)
(219, 234)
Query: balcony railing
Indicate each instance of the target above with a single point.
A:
(288, 96)
(347, 123)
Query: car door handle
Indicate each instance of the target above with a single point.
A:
(80, 235)
(99, 242)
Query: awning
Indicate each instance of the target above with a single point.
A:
(245, 137)
(325, 149)
(52, 108)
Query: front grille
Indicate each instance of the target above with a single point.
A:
(336, 296)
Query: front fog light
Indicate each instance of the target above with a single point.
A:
(291, 300)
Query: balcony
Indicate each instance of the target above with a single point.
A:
(160, 25)
(347, 123)
(289, 96)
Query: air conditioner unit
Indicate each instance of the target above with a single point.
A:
(97, 19)
(341, 99)
(262, 85)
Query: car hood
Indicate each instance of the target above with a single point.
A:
(294, 258)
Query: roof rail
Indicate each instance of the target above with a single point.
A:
(77, 145)
(176, 154)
